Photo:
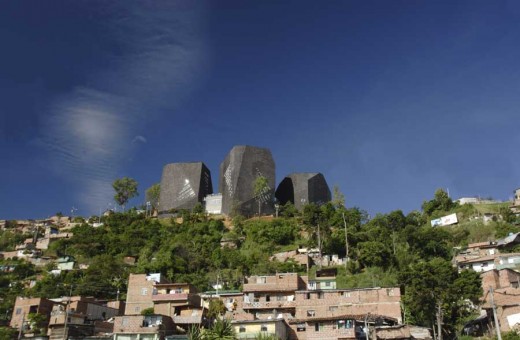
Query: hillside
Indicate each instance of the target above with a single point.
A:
(386, 250)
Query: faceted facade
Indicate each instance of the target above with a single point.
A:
(183, 185)
(303, 188)
(238, 173)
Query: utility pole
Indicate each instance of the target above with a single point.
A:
(367, 331)
(21, 327)
(497, 326)
(66, 315)
(319, 244)
(346, 239)
(439, 321)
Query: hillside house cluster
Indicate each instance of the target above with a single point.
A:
(63, 318)
(286, 305)
(42, 234)
(485, 256)
(497, 268)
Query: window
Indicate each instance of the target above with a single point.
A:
(307, 296)
(137, 309)
(242, 329)
(318, 327)
(263, 328)
(321, 295)
(346, 294)
(311, 312)
(280, 298)
(18, 311)
(343, 324)
(124, 321)
(327, 284)
(333, 308)
(300, 327)
(144, 291)
(267, 298)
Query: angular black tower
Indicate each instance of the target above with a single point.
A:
(183, 185)
(303, 188)
(238, 173)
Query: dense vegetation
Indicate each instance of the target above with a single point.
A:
(386, 250)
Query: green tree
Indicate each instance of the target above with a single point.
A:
(288, 210)
(338, 199)
(152, 195)
(507, 215)
(8, 333)
(216, 308)
(261, 190)
(125, 188)
(436, 295)
(37, 322)
(440, 202)
(148, 311)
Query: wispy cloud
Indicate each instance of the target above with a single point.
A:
(89, 131)
(139, 139)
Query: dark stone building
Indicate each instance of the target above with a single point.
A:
(183, 185)
(238, 173)
(303, 188)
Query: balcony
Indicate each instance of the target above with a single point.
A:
(170, 297)
(269, 304)
(183, 320)
(334, 333)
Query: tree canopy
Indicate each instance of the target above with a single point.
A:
(125, 188)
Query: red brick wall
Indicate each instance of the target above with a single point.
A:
(135, 300)
(23, 306)
(286, 281)
(383, 301)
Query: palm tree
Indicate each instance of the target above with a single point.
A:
(221, 330)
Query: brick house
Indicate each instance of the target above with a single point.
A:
(335, 327)
(274, 294)
(82, 315)
(139, 293)
(335, 313)
(149, 327)
(179, 301)
(505, 284)
(25, 306)
(310, 312)
(285, 304)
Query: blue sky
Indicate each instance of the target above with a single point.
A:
(390, 100)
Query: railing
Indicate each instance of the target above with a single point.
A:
(270, 304)
(187, 319)
(342, 332)
(268, 286)
(169, 297)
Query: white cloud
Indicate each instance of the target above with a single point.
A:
(88, 129)
(140, 139)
